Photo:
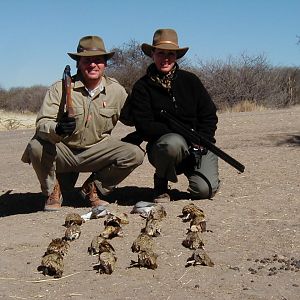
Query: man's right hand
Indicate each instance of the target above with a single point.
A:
(65, 126)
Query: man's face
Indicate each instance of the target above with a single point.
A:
(92, 67)
(164, 59)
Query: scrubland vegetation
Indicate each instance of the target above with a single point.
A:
(243, 83)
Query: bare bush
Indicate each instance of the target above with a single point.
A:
(248, 79)
(241, 83)
(24, 99)
(128, 64)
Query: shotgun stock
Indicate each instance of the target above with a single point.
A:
(67, 80)
(195, 138)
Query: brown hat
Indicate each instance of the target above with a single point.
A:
(165, 39)
(91, 45)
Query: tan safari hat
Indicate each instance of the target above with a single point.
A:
(91, 45)
(165, 39)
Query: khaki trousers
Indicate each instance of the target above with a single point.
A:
(170, 150)
(110, 161)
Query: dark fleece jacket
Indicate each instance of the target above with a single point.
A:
(189, 102)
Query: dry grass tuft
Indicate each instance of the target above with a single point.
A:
(244, 106)
(13, 121)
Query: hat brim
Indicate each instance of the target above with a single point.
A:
(76, 56)
(180, 52)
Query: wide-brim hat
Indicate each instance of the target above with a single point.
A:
(91, 45)
(165, 39)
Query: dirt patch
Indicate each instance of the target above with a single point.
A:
(253, 223)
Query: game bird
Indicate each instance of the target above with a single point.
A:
(58, 245)
(52, 264)
(199, 257)
(100, 244)
(73, 218)
(107, 262)
(193, 240)
(143, 242)
(73, 232)
(190, 211)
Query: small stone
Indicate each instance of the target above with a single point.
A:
(295, 285)
(197, 286)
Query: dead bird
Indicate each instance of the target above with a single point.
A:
(147, 259)
(100, 244)
(190, 211)
(110, 232)
(152, 228)
(157, 212)
(193, 240)
(72, 233)
(107, 262)
(52, 264)
(199, 257)
(143, 242)
(73, 218)
(121, 218)
(99, 212)
(198, 223)
(58, 245)
(143, 208)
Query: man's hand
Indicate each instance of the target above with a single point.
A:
(66, 125)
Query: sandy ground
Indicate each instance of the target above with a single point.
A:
(253, 218)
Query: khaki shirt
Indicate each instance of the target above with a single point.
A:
(95, 115)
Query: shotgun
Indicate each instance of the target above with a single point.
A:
(67, 81)
(195, 138)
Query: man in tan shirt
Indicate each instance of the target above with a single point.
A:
(64, 146)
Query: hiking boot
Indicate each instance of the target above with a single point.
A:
(161, 190)
(89, 192)
(54, 201)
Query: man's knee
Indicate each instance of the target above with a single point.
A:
(203, 189)
(171, 145)
(139, 155)
(136, 155)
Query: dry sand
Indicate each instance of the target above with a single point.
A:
(254, 217)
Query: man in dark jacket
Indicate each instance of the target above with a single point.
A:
(180, 93)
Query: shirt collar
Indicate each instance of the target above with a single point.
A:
(102, 86)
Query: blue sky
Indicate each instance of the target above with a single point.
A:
(37, 34)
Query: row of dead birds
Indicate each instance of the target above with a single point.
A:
(194, 241)
(144, 244)
(52, 261)
(101, 246)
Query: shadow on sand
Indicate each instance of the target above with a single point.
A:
(25, 203)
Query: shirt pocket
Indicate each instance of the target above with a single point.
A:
(79, 118)
(108, 119)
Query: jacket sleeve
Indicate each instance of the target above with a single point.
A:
(47, 116)
(146, 123)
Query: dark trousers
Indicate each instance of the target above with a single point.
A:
(171, 151)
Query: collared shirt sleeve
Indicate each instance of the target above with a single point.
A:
(47, 116)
